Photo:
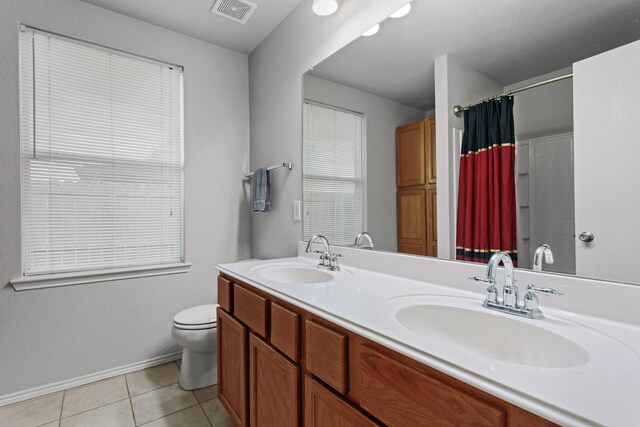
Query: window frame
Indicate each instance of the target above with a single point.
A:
(363, 166)
(100, 274)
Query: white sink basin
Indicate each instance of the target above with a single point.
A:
(497, 337)
(294, 274)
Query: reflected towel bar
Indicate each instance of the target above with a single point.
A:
(287, 165)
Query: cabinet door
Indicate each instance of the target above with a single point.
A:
(430, 146)
(325, 409)
(232, 367)
(410, 155)
(274, 384)
(412, 221)
(432, 222)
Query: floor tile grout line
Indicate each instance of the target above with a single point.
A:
(64, 393)
(133, 414)
(157, 388)
(169, 414)
(93, 409)
(205, 414)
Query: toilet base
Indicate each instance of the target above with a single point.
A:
(198, 369)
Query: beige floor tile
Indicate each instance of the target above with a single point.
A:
(191, 417)
(91, 396)
(179, 363)
(114, 415)
(152, 378)
(207, 393)
(162, 402)
(216, 413)
(53, 424)
(33, 412)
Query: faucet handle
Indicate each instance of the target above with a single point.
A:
(482, 279)
(544, 291)
(492, 293)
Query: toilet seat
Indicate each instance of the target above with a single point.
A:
(194, 318)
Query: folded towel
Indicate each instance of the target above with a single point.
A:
(260, 191)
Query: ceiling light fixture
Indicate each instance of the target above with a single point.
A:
(403, 11)
(371, 31)
(324, 7)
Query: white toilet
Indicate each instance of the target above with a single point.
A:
(194, 329)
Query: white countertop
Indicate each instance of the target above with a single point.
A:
(603, 391)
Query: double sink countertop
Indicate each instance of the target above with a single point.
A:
(572, 367)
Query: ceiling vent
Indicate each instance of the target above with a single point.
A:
(236, 10)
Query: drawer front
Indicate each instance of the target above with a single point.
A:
(326, 355)
(250, 309)
(399, 395)
(225, 294)
(285, 331)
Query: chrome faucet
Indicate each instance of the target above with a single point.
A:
(509, 303)
(327, 259)
(359, 237)
(545, 250)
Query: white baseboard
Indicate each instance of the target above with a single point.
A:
(85, 379)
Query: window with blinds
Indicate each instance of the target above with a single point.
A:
(101, 157)
(333, 173)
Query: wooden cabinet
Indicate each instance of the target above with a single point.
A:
(251, 309)
(416, 188)
(326, 355)
(412, 230)
(325, 409)
(225, 293)
(285, 331)
(399, 395)
(311, 372)
(232, 367)
(274, 381)
(411, 155)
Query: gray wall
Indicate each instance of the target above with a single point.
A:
(545, 110)
(60, 333)
(275, 78)
(382, 116)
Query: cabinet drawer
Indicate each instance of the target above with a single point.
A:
(399, 395)
(251, 309)
(285, 331)
(326, 355)
(225, 293)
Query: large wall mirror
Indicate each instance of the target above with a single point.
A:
(549, 171)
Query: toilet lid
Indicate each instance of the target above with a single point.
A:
(199, 315)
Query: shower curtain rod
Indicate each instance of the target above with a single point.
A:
(457, 110)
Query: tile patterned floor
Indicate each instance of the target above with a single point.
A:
(151, 397)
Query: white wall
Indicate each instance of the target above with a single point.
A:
(456, 84)
(61, 333)
(382, 116)
(607, 195)
(275, 78)
(545, 110)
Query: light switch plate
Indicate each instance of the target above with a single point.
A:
(297, 215)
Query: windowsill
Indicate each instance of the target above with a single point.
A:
(79, 278)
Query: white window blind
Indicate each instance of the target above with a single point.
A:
(101, 157)
(333, 184)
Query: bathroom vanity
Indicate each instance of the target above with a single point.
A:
(301, 345)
